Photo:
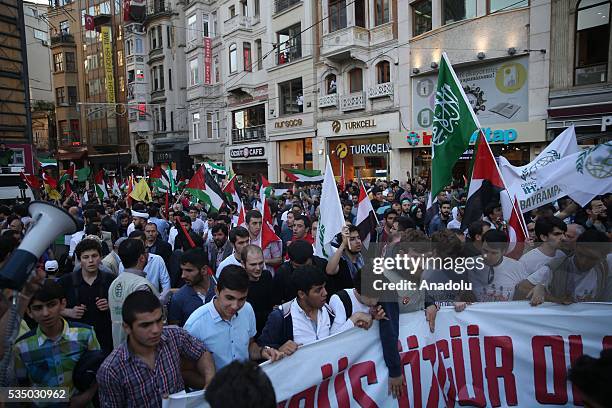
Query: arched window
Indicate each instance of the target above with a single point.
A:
(331, 84)
(592, 42)
(233, 61)
(383, 72)
(355, 76)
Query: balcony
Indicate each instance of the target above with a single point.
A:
(380, 90)
(204, 91)
(158, 9)
(339, 44)
(237, 23)
(282, 5)
(249, 134)
(289, 55)
(62, 39)
(327, 101)
(353, 101)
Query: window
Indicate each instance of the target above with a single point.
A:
(157, 75)
(169, 78)
(289, 44)
(206, 26)
(160, 69)
(169, 37)
(58, 62)
(249, 124)
(259, 55)
(129, 47)
(191, 28)
(337, 15)
(257, 7)
(355, 76)
(291, 97)
(72, 95)
(194, 73)
(209, 125)
(421, 17)
(162, 119)
(91, 62)
(70, 62)
(138, 48)
(171, 121)
(381, 12)
(233, 58)
(93, 87)
(195, 126)
(120, 58)
(457, 10)
(499, 5)
(216, 124)
(248, 61)
(64, 132)
(383, 72)
(592, 42)
(64, 27)
(330, 84)
(155, 37)
(75, 130)
(59, 96)
(217, 70)
(360, 13)
(232, 11)
(214, 30)
(284, 4)
(40, 35)
(244, 9)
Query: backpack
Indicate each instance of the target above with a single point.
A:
(346, 302)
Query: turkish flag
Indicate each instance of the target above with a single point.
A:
(126, 10)
(89, 23)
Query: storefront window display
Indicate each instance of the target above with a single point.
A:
(295, 154)
(365, 157)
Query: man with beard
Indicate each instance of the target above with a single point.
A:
(441, 220)
(139, 219)
(219, 248)
(384, 233)
(597, 215)
(274, 251)
(261, 287)
(346, 261)
(155, 245)
(239, 238)
(199, 287)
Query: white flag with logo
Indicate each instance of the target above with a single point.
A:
(582, 175)
(331, 219)
(524, 181)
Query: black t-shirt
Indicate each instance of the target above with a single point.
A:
(78, 292)
(261, 297)
(284, 290)
(339, 281)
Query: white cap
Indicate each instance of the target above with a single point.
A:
(51, 266)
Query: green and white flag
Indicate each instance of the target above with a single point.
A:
(215, 168)
(454, 122)
(331, 219)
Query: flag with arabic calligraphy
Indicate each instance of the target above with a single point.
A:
(454, 123)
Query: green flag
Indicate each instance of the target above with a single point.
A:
(454, 122)
(83, 174)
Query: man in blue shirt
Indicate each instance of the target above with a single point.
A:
(162, 225)
(227, 324)
(199, 287)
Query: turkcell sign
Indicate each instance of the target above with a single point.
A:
(370, 148)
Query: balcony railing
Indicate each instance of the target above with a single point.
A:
(62, 39)
(380, 90)
(158, 7)
(237, 22)
(249, 134)
(280, 5)
(326, 101)
(352, 101)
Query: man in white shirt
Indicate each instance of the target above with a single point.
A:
(457, 217)
(550, 233)
(139, 220)
(239, 238)
(497, 280)
(197, 225)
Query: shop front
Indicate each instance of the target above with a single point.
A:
(249, 162)
(360, 145)
(517, 142)
(293, 136)
(177, 154)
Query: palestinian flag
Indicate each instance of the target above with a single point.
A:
(83, 174)
(66, 180)
(487, 185)
(232, 191)
(366, 217)
(47, 179)
(44, 162)
(101, 190)
(303, 176)
(264, 192)
(31, 180)
(163, 180)
(115, 187)
(203, 187)
(182, 183)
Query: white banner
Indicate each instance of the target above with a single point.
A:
(526, 182)
(492, 354)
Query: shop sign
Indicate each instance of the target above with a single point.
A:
(503, 136)
(163, 157)
(372, 148)
(337, 126)
(247, 152)
(287, 123)
(605, 122)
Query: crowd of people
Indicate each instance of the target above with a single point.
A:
(162, 297)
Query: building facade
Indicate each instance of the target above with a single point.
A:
(500, 51)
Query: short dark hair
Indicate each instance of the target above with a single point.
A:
(352, 228)
(129, 251)
(389, 211)
(301, 217)
(593, 235)
(196, 257)
(488, 210)
(476, 228)
(241, 384)
(307, 276)
(137, 234)
(405, 223)
(299, 251)
(233, 277)
(87, 245)
(141, 301)
(252, 214)
(496, 239)
(49, 291)
(92, 229)
(186, 219)
(545, 225)
(219, 227)
(592, 376)
(238, 232)
(90, 215)
(7, 245)
(590, 203)
(5, 210)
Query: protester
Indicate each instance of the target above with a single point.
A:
(261, 287)
(239, 238)
(219, 248)
(155, 245)
(346, 261)
(550, 233)
(241, 384)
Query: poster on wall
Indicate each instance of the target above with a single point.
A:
(497, 92)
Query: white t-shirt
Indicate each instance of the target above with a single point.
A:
(454, 223)
(506, 276)
(342, 321)
(172, 236)
(306, 331)
(535, 259)
(230, 260)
